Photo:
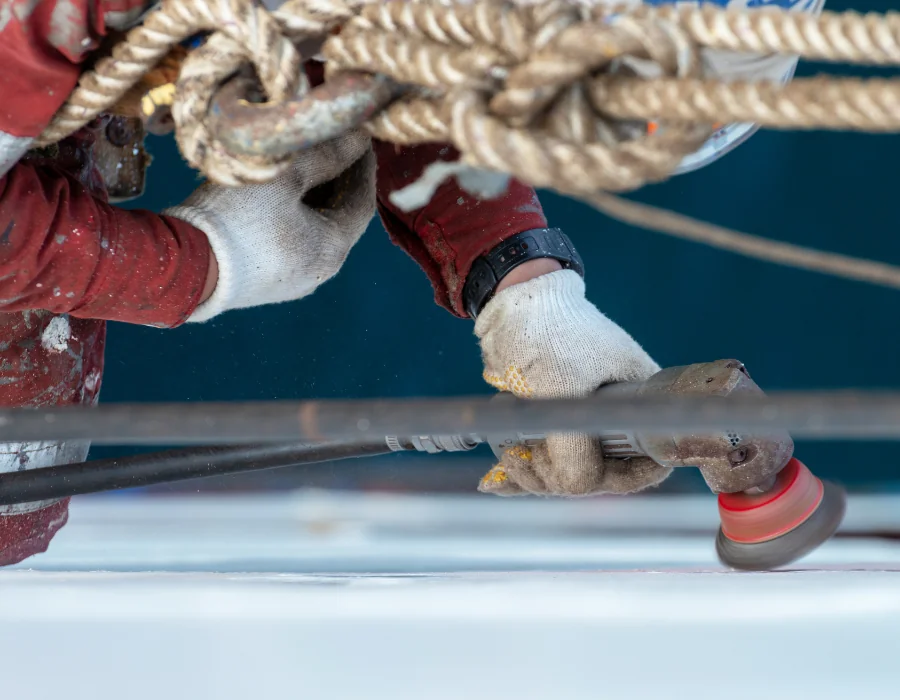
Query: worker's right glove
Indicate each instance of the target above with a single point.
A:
(281, 240)
(543, 339)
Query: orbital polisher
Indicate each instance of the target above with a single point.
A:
(773, 510)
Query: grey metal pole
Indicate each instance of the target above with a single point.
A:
(819, 415)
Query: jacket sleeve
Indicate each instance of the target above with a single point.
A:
(65, 251)
(449, 233)
(42, 45)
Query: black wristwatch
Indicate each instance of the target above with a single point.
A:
(490, 268)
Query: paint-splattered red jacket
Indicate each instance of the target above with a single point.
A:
(65, 250)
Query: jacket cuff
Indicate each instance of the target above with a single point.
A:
(450, 232)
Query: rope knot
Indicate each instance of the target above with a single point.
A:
(535, 114)
(555, 93)
(559, 90)
(265, 41)
(244, 35)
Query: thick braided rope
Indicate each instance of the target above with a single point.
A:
(537, 50)
(573, 149)
(201, 74)
(255, 34)
(850, 37)
(521, 89)
(208, 66)
(849, 103)
(816, 103)
(244, 33)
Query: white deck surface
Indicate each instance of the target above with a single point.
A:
(347, 596)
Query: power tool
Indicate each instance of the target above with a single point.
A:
(773, 510)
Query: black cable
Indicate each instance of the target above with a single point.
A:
(98, 475)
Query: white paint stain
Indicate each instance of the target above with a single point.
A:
(67, 29)
(55, 337)
(92, 380)
(482, 184)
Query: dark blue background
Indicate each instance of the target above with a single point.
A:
(375, 330)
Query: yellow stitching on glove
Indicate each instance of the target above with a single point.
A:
(520, 452)
(518, 384)
(513, 381)
(495, 381)
(497, 475)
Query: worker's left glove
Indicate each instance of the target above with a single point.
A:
(281, 240)
(543, 339)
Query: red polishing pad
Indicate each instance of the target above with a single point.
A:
(752, 518)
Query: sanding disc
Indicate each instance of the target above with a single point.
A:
(772, 529)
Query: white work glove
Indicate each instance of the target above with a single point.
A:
(281, 240)
(544, 339)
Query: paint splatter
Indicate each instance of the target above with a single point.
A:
(55, 337)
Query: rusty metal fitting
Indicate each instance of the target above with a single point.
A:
(344, 102)
(121, 158)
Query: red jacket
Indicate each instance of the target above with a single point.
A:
(65, 250)
(40, 54)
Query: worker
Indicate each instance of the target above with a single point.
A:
(69, 262)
